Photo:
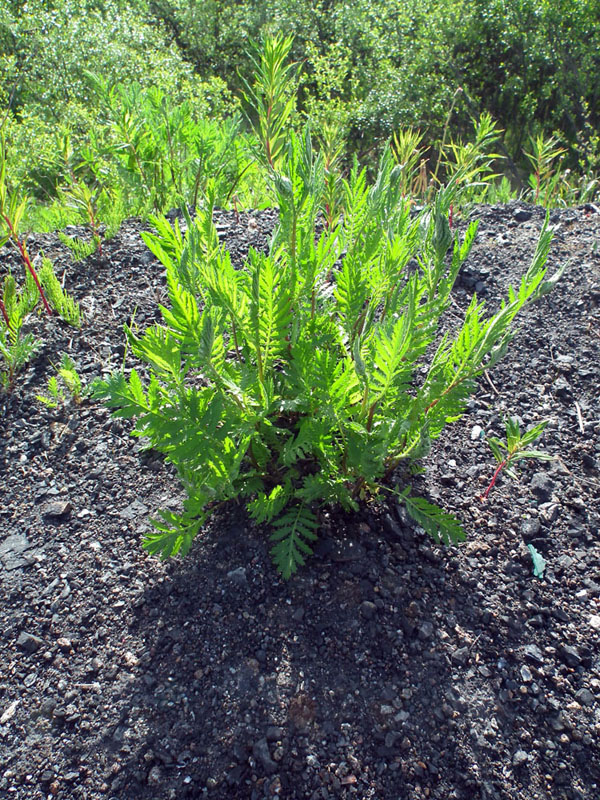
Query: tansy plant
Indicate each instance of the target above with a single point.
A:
(314, 375)
(514, 449)
(16, 348)
(67, 378)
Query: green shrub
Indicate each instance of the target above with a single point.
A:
(315, 375)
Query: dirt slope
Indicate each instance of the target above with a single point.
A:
(390, 668)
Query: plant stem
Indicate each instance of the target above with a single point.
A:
(27, 262)
(5, 315)
(492, 483)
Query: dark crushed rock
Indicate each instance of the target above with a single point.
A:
(388, 668)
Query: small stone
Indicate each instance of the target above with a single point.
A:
(130, 659)
(48, 706)
(64, 643)
(460, 656)
(29, 643)
(261, 753)
(595, 621)
(274, 733)
(585, 697)
(541, 486)
(520, 758)
(477, 432)
(56, 508)
(522, 214)
(368, 609)
(526, 674)
(238, 576)
(425, 630)
(562, 389)
(154, 776)
(9, 713)
(569, 655)
(530, 527)
(533, 652)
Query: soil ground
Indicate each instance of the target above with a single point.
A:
(389, 668)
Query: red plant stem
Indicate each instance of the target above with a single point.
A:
(27, 262)
(501, 466)
(4, 314)
(450, 215)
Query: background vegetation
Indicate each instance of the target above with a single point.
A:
(91, 92)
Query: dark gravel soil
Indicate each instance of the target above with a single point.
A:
(389, 668)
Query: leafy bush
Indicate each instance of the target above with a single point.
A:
(314, 374)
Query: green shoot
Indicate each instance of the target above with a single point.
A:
(270, 100)
(69, 380)
(514, 449)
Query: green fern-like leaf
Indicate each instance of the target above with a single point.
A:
(266, 507)
(438, 523)
(270, 310)
(292, 532)
(175, 534)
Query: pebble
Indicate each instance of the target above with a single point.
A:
(570, 655)
(526, 674)
(9, 713)
(56, 508)
(460, 656)
(154, 776)
(530, 527)
(541, 486)
(368, 609)
(522, 214)
(238, 576)
(425, 630)
(261, 753)
(477, 432)
(520, 758)
(585, 697)
(533, 652)
(29, 642)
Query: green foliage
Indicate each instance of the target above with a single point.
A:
(271, 99)
(368, 70)
(67, 378)
(16, 348)
(514, 449)
(62, 303)
(408, 154)
(307, 378)
(12, 210)
(544, 160)
(78, 247)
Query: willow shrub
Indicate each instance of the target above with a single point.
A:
(312, 375)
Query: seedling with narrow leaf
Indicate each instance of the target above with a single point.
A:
(508, 453)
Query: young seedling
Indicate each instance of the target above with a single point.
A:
(70, 379)
(15, 349)
(514, 449)
(545, 158)
(64, 305)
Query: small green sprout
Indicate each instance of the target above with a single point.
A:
(514, 449)
(70, 380)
